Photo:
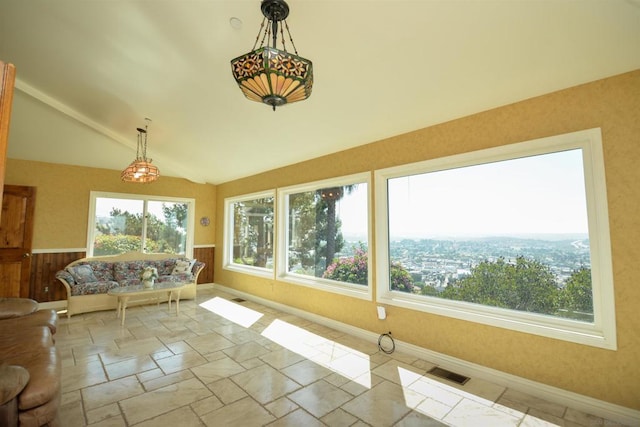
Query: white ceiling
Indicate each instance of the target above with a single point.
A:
(381, 68)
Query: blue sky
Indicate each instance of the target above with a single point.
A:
(529, 196)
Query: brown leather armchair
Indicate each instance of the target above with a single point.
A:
(30, 364)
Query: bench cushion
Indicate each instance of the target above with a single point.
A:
(93, 288)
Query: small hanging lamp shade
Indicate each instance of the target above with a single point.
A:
(141, 170)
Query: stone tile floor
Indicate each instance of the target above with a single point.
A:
(223, 363)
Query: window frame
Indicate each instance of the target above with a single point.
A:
(227, 253)
(191, 208)
(602, 332)
(318, 283)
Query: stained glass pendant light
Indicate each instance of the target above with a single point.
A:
(268, 74)
(141, 170)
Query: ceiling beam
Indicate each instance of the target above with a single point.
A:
(109, 133)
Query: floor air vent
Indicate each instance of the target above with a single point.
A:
(238, 300)
(448, 375)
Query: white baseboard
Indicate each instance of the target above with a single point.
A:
(570, 399)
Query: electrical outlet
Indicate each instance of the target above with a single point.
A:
(46, 289)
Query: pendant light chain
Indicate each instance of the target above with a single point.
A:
(264, 36)
(290, 38)
(139, 144)
(284, 46)
(144, 150)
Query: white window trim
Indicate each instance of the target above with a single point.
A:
(601, 333)
(227, 253)
(351, 290)
(191, 209)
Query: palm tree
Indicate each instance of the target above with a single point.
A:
(330, 196)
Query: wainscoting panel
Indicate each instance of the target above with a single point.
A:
(44, 286)
(206, 255)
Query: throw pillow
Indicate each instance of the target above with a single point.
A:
(82, 274)
(181, 267)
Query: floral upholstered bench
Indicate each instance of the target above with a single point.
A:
(88, 280)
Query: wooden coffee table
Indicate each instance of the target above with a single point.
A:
(124, 293)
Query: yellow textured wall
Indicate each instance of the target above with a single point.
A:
(63, 196)
(612, 104)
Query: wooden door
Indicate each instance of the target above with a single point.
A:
(16, 231)
(7, 81)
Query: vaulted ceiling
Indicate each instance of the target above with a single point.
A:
(90, 71)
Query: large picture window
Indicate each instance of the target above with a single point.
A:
(516, 237)
(325, 235)
(121, 223)
(249, 233)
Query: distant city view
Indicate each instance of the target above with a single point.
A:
(436, 261)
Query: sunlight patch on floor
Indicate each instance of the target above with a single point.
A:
(339, 358)
(452, 403)
(425, 394)
(236, 313)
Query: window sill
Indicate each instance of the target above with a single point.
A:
(563, 329)
(354, 291)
